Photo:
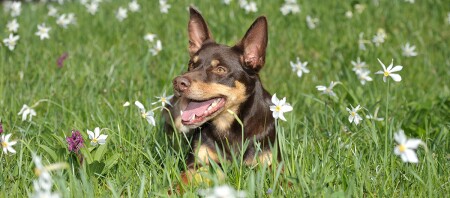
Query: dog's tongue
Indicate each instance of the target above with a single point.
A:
(195, 108)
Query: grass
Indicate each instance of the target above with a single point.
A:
(324, 155)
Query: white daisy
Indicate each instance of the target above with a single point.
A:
(279, 107)
(96, 137)
(390, 71)
(43, 31)
(406, 148)
(7, 145)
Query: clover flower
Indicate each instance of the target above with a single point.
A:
(75, 142)
(354, 116)
(279, 107)
(390, 71)
(148, 115)
(96, 137)
(299, 67)
(25, 111)
(409, 50)
(406, 147)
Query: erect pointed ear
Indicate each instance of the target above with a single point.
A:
(254, 44)
(198, 31)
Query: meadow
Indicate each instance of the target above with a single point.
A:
(82, 76)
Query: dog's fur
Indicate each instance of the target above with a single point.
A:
(231, 74)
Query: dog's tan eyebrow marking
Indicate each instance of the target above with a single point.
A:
(195, 59)
(214, 62)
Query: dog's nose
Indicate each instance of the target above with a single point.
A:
(181, 83)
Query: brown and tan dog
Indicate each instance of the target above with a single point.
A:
(221, 79)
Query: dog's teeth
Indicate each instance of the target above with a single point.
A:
(209, 108)
(192, 118)
(214, 103)
(181, 112)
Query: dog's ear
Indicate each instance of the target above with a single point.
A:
(198, 31)
(254, 44)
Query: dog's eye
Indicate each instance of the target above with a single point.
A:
(220, 70)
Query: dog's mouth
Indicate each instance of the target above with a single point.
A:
(201, 111)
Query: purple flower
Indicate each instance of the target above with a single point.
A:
(61, 59)
(1, 128)
(75, 141)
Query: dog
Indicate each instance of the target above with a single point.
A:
(223, 82)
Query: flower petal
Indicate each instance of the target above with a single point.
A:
(91, 134)
(139, 105)
(275, 99)
(411, 155)
(413, 143)
(97, 132)
(382, 65)
(396, 68)
(396, 77)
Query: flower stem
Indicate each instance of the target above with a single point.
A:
(386, 122)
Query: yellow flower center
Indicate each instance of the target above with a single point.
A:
(143, 115)
(277, 108)
(37, 171)
(95, 140)
(163, 100)
(386, 73)
(402, 148)
(353, 114)
(4, 144)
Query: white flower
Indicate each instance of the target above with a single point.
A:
(15, 8)
(312, 22)
(226, 2)
(92, 8)
(148, 115)
(223, 191)
(52, 11)
(43, 185)
(374, 116)
(11, 42)
(328, 90)
(250, 7)
(126, 104)
(71, 18)
(390, 71)
(409, 50)
(43, 31)
(354, 116)
(7, 145)
(448, 18)
(359, 8)
(96, 137)
(358, 66)
(379, 37)
(12, 25)
(349, 14)
(134, 6)
(299, 67)
(410, 1)
(406, 148)
(25, 111)
(121, 14)
(290, 7)
(164, 7)
(164, 100)
(279, 107)
(63, 21)
(156, 48)
(363, 76)
(150, 37)
(362, 42)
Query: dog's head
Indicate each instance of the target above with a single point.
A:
(219, 77)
